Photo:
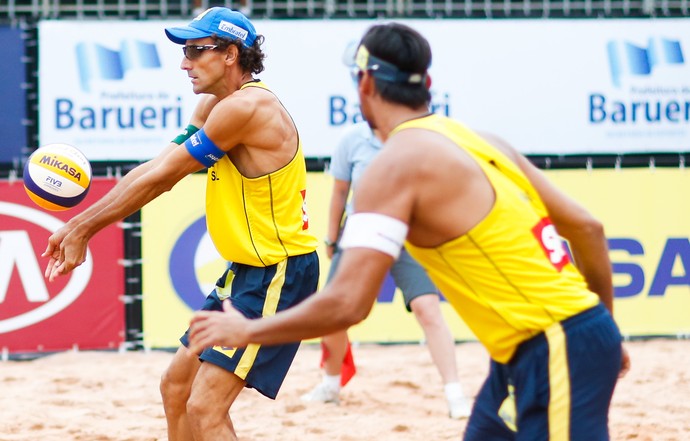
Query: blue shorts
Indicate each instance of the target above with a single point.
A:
(558, 386)
(407, 274)
(257, 292)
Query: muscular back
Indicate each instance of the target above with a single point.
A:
(449, 195)
(255, 129)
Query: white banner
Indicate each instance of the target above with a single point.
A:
(112, 89)
(115, 90)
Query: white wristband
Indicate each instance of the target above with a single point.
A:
(376, 231)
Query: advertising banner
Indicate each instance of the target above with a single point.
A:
(647, 229)
(649, 242)
(546, 86)
(13, 109)
(119, 94)
(81, 310)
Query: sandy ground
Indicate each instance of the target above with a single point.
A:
(396, 395)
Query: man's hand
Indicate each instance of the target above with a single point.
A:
(215, 328)
(330, 250)
(53, 251)
(66, 251)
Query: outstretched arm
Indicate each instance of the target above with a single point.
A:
(54, 250)
(70, 251)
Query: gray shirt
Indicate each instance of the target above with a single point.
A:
(354, 152)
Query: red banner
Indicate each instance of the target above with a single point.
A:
(82, 310)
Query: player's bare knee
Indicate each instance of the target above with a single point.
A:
(164, 385)
(172, 392)
(195, 409)
(202, 414)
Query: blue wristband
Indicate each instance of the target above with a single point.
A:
(203, 149)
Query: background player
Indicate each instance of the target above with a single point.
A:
(352, 155)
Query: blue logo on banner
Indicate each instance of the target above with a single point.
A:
(186, 284)
(628, 59)
(99, 62)
(182, 271)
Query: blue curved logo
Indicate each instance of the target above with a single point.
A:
(626, 58)
(185, 281)
(96, 61)
(181, 267)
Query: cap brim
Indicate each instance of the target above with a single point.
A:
(180, 35)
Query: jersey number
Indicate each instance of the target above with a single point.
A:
(551, 243)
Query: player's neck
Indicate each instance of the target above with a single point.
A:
(246, 78)
(394, 115)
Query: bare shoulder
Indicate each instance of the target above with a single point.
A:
(206, 103)
(203, 109)
(238, 111)
(394, 178)
(237, 104)
(419, 153)
(396, 162)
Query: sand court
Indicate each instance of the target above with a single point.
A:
(396, 395)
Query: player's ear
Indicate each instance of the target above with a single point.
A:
(232, 54)
(367, 85)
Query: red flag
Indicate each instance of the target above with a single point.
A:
(348, 369)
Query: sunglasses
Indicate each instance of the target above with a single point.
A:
(194, 52)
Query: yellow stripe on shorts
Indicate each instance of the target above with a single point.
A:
(270, 308)
(559, 385)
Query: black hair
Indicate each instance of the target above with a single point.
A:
(251, 58)
(407, 50)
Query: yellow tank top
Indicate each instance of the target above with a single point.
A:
(510, 276)
(259, 221)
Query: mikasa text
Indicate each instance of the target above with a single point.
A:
(56, 163)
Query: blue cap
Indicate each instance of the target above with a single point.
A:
(223, 22)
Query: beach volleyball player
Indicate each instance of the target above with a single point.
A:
(485, 224)
(256, 216)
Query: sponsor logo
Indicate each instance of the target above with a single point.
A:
(233, 30)
(626, 58)
(96, 61)
(194, 265)
(343, 110)
(33, 302)
(671, 270)
(650, 97)
(52, 161)
(140, 114)
(195, 140)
